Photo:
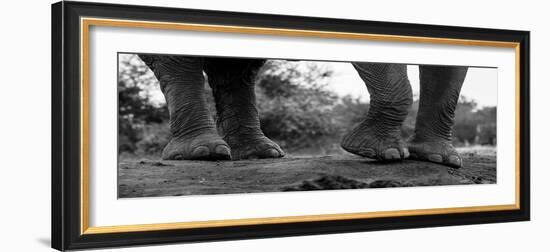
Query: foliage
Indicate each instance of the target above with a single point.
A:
(154, 137)
(294, 104)
(473, 125)
(135, 109)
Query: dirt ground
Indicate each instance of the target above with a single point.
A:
(148, 178)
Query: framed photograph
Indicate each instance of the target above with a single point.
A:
(180, 125)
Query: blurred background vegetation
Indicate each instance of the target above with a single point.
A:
(296, 110)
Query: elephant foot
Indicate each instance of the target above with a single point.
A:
(441, 152)
(364, 141)
(208, 146)
(244, 146)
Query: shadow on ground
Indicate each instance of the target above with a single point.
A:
(147, 178)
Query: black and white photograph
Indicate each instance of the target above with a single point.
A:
(199, 125)
(274, 126)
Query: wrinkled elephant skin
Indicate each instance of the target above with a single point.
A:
(379, 135)
(237, 133)
(439, 92)
(194, 134)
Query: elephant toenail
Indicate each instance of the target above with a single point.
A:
(272, 153)
(177, 157)
(436, 158)
(367, 153)
(406, 153)
(201, 151)
(391, 154)
(222, 150)
(455, 161)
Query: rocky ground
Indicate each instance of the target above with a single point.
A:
(146, 178)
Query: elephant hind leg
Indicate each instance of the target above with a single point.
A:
(379, 135)
(232, 81)
(194, 135)
(439, 92)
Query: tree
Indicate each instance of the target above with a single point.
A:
(294, 105)
(135, 109)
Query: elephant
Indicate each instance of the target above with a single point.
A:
(237, 134)
(378, 136)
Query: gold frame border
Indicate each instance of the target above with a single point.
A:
(85, 24)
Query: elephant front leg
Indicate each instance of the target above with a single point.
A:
(194, 135)
(379, 135)
(232, 81)
(439, 92)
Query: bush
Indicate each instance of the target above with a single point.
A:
(153, 139)
(294, 105)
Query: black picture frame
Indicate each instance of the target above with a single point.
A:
(66, 114)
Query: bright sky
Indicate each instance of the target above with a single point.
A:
(480, 84)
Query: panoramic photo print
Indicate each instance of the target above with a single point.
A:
(199, 125)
